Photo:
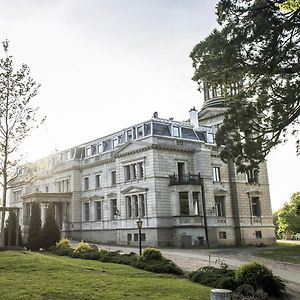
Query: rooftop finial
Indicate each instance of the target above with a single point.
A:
(155, 115)
(5, 45)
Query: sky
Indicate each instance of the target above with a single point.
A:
(104, 65)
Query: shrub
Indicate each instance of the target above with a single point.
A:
(260, 277)
(82, 247)
(245, 290)
(34, 232)
(63, 244)
(50, 233)
(11, 228)
(89, 254)
(150, 254)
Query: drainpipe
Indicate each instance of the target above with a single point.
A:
(204, 212)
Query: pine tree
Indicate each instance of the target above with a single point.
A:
(34, 235)
(50, 231)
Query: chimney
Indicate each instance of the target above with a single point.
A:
(194, 117)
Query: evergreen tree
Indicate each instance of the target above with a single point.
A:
(11, 225)
(50, 231)
(34, 234)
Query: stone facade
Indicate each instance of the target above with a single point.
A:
(167, 173)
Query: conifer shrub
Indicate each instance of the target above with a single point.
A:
(82, 247)
(11, 228)
(34, 232)
(50, 233)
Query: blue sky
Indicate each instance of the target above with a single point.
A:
(106, 64)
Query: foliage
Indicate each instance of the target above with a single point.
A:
(12, 221)
(215, 277)
(17, 119)
(50, 233)
(290, 5)
(63, 244)
(82, 247)
(30, 275)
(254, 59)
(288, 217)
(151, 254)
(260, 277)
(34, 232)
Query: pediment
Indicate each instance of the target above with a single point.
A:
(253, 192)
(134, 190)
(96, 197)
(220, 191)
(111, 195)
(134, 146)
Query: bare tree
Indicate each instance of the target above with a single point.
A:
(17, 119)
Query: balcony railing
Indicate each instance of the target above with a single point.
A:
(184, 179)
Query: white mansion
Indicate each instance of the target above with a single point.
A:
(165, 172)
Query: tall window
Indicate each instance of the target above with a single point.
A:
(97, 181)
(181, 169)
(255, 206)
(114, 210)
(216, 174)
(175, 131)
(196, 204)
(134, 171)
(140, 131)
(113, 177)
(129, 135)
(98, 210)
(252, 176)
(136, 206)
(86, 212)
(184, 203)
(16, 195)
(142, 210)
(220, 206)
(86, 184)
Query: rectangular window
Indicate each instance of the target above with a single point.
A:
(99, 148)
(140, 167)
(142, 206)
(97, 181)
(222, 235)
(220, 206)
(86, 211)
(176, 131)
(252, 176)
(98, 211)
(114, 210)
(129, 237)
(135, 206)
(47, 189)
(113, 177)
(258, 234)
(216, 174)
(127, 172)
(87, 151)
(181, 170)
(196, 203)
(86, 184)
(115, 143)
(129, 135)
(129, 207)
(210, 138)
(255, 206)
(93, 150)
(136, 237)
(143, 237)
(140, 131)
(184, 203)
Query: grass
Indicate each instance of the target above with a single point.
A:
(29, 275)
(284, 252)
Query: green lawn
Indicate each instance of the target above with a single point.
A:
(281, 251)
(29, 275)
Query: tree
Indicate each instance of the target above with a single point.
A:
(50, 231)
(254, 58)
(288, 218)
(34, 232)
(17, 119)
(10, 229)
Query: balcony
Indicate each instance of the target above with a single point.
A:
(185, 179)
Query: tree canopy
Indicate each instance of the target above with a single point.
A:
(255, 58)
(288, 219)
(17, 119)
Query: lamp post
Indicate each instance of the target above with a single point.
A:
(139, 224)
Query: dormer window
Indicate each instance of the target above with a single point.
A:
(99, 148)
(93, 150)
(115, 143)
(210, 138)
(129, 135)
(140, 131)
(176, 132)
(87, 151)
